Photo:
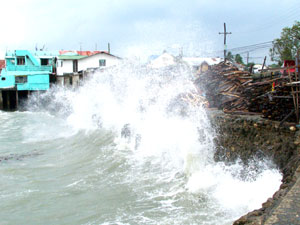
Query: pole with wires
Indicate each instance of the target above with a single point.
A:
(225, 34)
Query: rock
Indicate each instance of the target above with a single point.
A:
(268, 203)
(19, 156)
(245, 137)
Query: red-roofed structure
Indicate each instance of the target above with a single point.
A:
(83, 53)
(74, 61)
(289, 63)
(2, 64)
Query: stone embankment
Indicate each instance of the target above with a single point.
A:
(247, 137)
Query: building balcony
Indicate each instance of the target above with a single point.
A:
(28, 68)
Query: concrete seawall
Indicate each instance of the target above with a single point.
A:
(245, 137)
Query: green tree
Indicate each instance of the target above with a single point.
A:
(249, 65)
(273, 65)
(285, 47)
(239, 59)
(229, 56)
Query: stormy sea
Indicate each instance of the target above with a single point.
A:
(123, 148)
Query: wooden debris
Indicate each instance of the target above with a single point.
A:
(234, 91)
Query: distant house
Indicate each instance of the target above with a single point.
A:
(28, 71)
(100, 59)
(163, 60)
(68, 63)
(203, 67)
(257, 68)
(75, 61)
(201, 64)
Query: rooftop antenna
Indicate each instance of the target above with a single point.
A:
(108, 46)
(80, 46)
(42, 49)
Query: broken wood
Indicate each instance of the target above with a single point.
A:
(237, 92)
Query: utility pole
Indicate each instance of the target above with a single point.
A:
(225, 34)
(264, 63)
(247, 58)
(108, 47)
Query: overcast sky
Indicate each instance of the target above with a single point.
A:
(143, 27)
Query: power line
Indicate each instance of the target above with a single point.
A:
(249, 47)
(292, 13)
(252, 50)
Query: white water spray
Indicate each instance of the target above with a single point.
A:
(165, 139)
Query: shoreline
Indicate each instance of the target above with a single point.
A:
(245, 137)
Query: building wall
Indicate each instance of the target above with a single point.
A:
(7, 81)
(93, 61)
(30, 75)
(60, 81)
(67, 67)
(35, 82)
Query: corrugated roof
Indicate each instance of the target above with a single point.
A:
(71, 57)
(34, 53)
(105, 52)
(83, 53)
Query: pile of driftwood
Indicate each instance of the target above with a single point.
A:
(234, 91)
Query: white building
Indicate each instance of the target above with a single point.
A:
(199, 64)
(73, 62)
(67, 64)
(101, 59)
(257, 68)
(163, 60)
(197, 61)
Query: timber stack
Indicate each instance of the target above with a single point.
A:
(240, 92)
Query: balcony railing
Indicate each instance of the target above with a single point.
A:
(28, 68)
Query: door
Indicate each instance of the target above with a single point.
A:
(75, 65)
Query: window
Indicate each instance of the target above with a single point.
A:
(3, 78)
(44, 62)
(21, 79)
(21, 60)
(75, 66)
(102, 62)
(59, 63)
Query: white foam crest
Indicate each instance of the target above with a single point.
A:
(234, 193)
(92, 106)
(167, 139)
(166, 130)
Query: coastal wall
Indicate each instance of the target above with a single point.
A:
(246, 137)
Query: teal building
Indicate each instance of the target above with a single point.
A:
(28, 70)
